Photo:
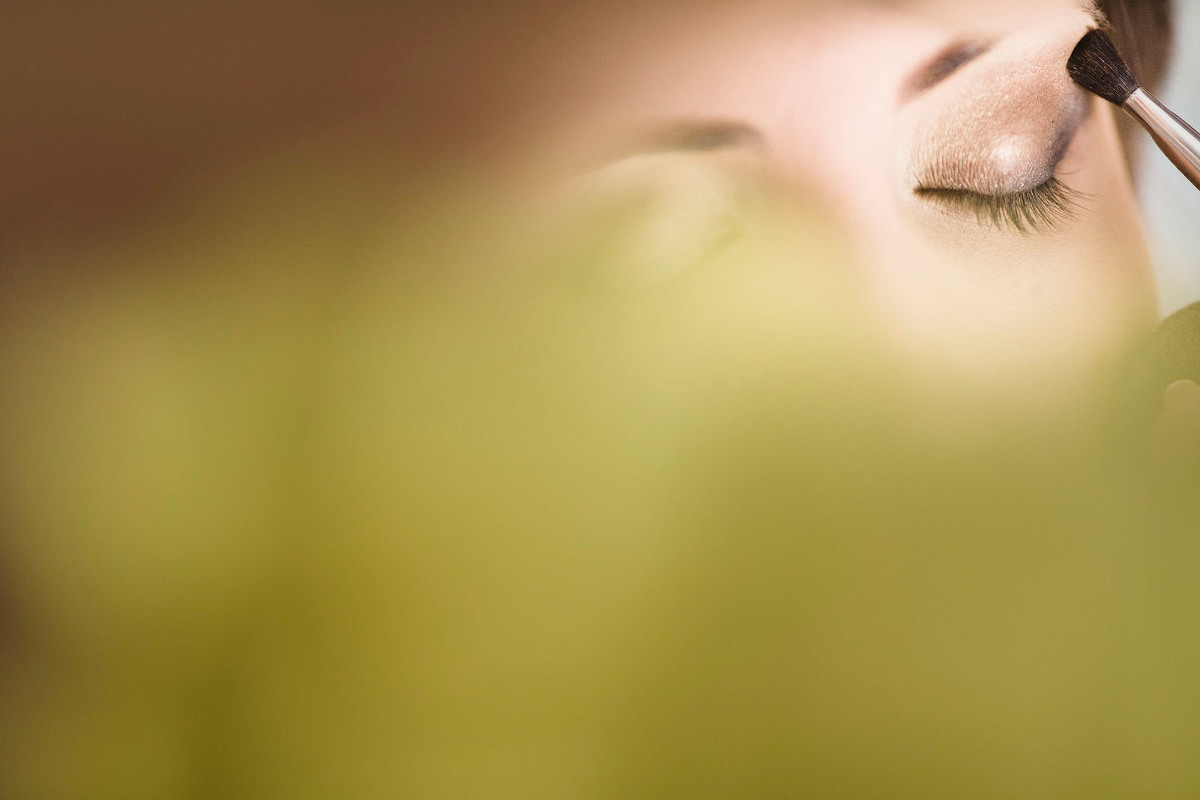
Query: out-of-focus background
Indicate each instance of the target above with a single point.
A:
(315, 484)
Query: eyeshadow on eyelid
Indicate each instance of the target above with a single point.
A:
(1004, 137)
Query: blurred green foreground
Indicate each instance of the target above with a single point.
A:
(309, 499)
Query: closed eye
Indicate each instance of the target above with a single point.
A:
(1035, 210)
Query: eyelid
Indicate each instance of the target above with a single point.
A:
(1025, 194)
(993, 142)
(1035, 210)
(1009, 166)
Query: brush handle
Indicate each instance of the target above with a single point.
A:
(1178, 140)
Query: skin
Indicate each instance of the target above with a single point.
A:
(987, 310)
(211, 463)
(534, 92)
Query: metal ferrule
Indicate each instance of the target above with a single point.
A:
(1178, 140)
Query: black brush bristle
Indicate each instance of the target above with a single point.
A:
(1098, 67)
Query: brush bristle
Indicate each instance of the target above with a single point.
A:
(1098, 67)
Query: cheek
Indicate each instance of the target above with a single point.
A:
(976, 299)
(1114, 229)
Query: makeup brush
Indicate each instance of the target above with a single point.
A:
(1097, 66)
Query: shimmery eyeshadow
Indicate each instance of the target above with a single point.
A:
(1004, 130)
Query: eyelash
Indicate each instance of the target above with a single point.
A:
(1036, 210)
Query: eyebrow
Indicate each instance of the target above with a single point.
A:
(948, 61)
(700, 136)
(959, 53)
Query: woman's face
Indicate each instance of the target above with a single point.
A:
(985, 197)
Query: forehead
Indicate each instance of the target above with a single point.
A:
(967, 13)
(598, 69)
